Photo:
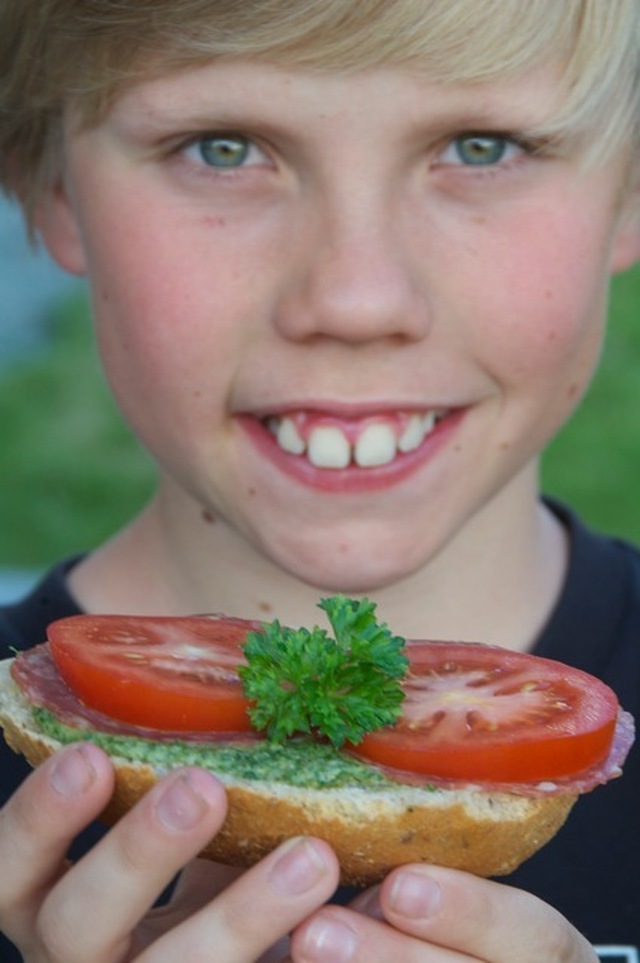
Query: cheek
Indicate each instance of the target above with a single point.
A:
(165, 312)
(544, 306)
(144, 325)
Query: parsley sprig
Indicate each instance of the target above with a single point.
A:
(304, 681)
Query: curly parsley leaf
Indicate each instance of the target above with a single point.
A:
(304, 681)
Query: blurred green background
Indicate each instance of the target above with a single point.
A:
(71, 472)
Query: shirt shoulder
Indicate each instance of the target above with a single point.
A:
(596, 622)
(24, 623)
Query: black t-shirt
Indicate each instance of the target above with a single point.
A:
(591, 870)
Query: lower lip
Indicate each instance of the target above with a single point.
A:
(353, 478)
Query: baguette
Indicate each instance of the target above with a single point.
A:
(372, 830)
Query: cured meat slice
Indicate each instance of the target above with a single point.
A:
(36, 674)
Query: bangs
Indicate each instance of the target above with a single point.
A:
(83, 54)
(594, 44)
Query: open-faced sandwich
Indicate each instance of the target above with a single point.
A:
(461, 754)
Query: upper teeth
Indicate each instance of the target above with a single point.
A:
(289, 438)
(375, 446)
(377, 443)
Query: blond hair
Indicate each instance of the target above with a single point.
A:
(84, 53)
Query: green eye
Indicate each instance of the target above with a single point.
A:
(481, 150)
(224, 150)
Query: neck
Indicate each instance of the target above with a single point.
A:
(496, 581)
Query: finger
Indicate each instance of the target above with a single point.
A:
(107, 893)
(339, 935)
(197, 886)
(38, 824)
(368, 903)
(200, 881)
(258, 909)
(479, 917)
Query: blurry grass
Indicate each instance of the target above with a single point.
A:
(71, 473)
(594, 463)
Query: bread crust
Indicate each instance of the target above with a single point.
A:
(371, 831)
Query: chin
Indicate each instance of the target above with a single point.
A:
(360, 572)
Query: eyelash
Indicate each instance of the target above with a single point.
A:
(516, 148)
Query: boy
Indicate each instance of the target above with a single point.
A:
(349, 268)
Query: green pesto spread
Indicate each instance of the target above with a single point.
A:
(302, 762)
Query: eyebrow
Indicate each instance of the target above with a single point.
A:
(163, 118)
(168, 122)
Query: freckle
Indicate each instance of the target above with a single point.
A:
(479, 219)
(265, 607)
(251, 492)
(212, 220)
(573, 391)
(197, 393)
(208, 516)
(505, 446)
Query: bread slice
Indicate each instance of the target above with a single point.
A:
(371, 829)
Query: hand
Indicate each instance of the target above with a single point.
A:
(98, 909)
(426, 914)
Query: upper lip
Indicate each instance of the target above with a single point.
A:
(347, 410)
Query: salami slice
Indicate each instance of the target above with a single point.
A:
(583, 782)
(36, 674)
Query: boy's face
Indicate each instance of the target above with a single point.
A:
(339, 262)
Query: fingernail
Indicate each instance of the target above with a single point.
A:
(329, 941)
(415, 895)
(72, 773)
(185, 801)
(300, 866)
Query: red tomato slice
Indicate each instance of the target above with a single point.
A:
(474, 712)
(163, 673)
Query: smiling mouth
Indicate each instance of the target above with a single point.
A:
(331, 443)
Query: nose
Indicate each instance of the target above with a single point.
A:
(356, 277)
